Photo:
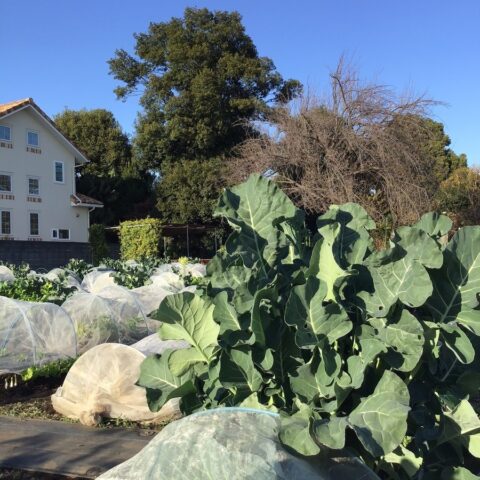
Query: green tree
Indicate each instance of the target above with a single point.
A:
(100, 137)
(124, 198)
(434, 144)
(437, 146)
(201, 80)
(112, 176)
(460, 194)
(189, 190)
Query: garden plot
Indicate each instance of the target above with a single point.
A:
(33, 334)
(90, 311)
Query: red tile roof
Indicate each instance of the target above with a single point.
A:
(79, 199)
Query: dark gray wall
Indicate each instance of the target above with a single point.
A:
(43, 255)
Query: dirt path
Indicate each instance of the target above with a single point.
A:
(68, 449)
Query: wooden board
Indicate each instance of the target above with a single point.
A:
(66, 449)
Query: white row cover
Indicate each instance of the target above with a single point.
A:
(102, 383)
(34, 334)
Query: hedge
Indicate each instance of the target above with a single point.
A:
(98, 243)
(140, 238)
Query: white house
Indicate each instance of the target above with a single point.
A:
(38, 199)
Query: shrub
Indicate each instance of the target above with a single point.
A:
(98, 242)
(460, 194)
(368, 350)
(140, 238)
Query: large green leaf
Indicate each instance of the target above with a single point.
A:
(380, 420)
(457, 284)
(295, 432)
(225, 315)
(463, 426)
(457, 473)
(261, 319)
(400, 274)
(458, 342)
(406, 459)
(182, 360)
(354, 239)
(435, 224)
(237, 370)
(402, 333)
(357, 364)
(160, 382)
(325, 260)
(188, 317)
(419, 246)
(253, 209)
(405, 279)
(350, 214)
(316, 379)
(314, 320)
(331, 432)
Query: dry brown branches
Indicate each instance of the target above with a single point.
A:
(354, 146)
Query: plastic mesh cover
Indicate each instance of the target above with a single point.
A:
(131, 318)
(150, 296)
(6, 275)
(97, 280)
(168, 280)
(101, 383)
(229, 444)
(66, 275)
(153, 344)
(33, 334)
(113, 315)
(193, 269)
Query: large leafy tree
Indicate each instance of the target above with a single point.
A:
(201, 79)
(100, 137)
(434, 145)
(188, 191)
(111, 176)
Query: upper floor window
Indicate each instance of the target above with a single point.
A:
(59, 174)
(33, 186)
(6, 222)
(5, 182)
(5, 133)
(33, 139)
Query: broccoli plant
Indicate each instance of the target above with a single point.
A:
(366, 351)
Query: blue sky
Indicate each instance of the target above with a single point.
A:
(56, 50)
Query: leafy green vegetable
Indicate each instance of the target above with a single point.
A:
(371, 351)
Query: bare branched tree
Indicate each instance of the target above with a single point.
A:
(356, 145)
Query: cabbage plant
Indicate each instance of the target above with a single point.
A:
(365, 351)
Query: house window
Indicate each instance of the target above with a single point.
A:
(59, 177)
(33, 186)
(6, 222)
(34, 224)
(33, 139)
(5, 183)
(5, 133)
(61, 234)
